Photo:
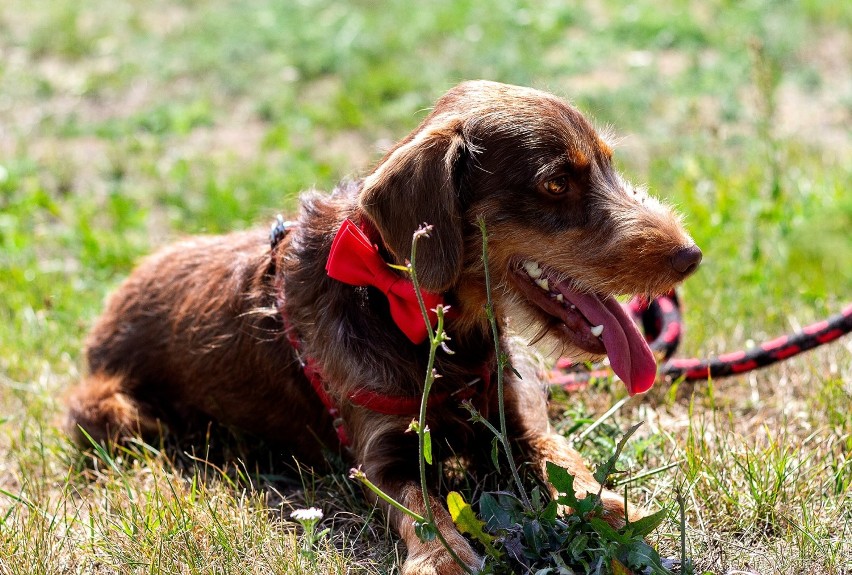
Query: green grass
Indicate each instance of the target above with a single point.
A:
(124, 125)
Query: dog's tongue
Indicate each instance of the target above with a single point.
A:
(629, 355)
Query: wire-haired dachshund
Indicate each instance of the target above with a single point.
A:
(275, 340)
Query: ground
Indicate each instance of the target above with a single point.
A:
(124, 125)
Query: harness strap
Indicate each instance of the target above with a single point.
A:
(280, 229)
(314, 377)
(373, 400)
(410, 404)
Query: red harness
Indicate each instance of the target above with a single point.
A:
(375, 401)
(363, 397)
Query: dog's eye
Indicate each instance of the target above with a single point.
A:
(556, 186)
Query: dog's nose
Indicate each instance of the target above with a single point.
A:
(686, 260)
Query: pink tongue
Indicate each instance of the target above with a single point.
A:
(629, 355)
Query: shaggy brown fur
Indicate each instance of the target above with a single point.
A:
(195, 331)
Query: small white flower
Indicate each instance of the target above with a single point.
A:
(310, 514)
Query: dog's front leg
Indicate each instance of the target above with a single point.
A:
(431, 558)
(526, 408)
(550, 446)
(388, 457)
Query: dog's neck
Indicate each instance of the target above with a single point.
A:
(337, 330)
(331, 316)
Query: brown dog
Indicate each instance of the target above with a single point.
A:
(206, 327)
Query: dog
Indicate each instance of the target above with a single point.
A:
(262, 338)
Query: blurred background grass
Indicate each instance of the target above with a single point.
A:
(125, 124)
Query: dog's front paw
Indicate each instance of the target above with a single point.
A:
(614, 510)
(439, 562)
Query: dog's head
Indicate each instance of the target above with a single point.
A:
(566, 232)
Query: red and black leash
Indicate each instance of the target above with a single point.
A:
(661, 321)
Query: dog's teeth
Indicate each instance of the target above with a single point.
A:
(542, 283)
(573, 306)
(532, 269)
(597, 330)
(560, 298)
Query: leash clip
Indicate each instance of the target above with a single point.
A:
(280, 228)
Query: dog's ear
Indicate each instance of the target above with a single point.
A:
(416, 184)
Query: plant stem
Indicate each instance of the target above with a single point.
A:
(420, 301)
(501, 366)
(430, 377)
(436, 337)
(648, 473)
(684, 561)
(477, 417)
(388, 499)
(601, 419)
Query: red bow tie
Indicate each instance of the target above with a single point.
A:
(354, 260)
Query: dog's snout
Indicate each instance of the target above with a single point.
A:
(686, 259)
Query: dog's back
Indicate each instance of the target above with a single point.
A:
(194, 334)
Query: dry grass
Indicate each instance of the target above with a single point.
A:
(123, 126)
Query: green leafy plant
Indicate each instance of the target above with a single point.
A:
(542, 539)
